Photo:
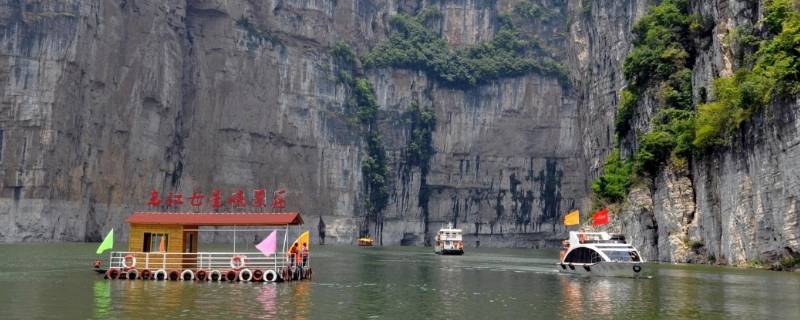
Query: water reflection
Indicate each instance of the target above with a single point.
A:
(301, 299)
(102, 299)
(351, 283)
(268, 297)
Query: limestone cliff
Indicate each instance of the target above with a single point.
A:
(736, 205)
(104, 101)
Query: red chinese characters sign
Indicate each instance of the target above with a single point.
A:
(215, 200)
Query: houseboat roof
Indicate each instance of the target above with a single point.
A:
(216, 218)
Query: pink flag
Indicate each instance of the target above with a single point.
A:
(269, 245)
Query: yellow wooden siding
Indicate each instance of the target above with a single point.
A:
(174, 234)
(156, 261)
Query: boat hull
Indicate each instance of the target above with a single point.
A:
(605, 269)
(450, 252)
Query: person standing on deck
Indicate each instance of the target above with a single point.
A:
(304, 254)
(293, 254)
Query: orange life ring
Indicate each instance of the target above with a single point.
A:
(237, 262)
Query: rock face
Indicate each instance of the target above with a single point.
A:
(736, 206)
(104, 101)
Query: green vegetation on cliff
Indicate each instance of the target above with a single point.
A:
(660, 66)
(374, 167)
(775, 73)
(615, 182)
(413, 45)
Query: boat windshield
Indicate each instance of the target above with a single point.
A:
(622, 256)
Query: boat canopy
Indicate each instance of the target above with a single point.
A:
(217, 218)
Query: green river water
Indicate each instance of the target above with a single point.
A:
(39, 281)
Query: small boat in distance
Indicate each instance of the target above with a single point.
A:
(600, 253)
(449, 241)
(365, 241)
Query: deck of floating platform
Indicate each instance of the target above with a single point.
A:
(202, 265)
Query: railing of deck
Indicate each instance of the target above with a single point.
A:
(199, 260)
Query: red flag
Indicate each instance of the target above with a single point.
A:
(600, 217)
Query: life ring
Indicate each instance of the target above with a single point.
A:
(130, 258)
(133, 274)
(637, 268)
(258, 275)
(245, 275)
(215, 275)
(270, 276)
(237, 262)
(145, 275)
(112, 273)
(174, 275)
(160, 274)
(231, 275)
(186, 273)
(201, 275)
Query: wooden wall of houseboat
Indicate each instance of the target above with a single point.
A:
(155, 260)
(174, 232)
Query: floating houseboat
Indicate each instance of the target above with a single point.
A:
(449, 241)
(164, 246)
(600, 253)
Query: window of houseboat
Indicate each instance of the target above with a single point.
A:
(583, 255)
(623, 256)
(152, 242)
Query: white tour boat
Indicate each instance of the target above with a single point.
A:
(449, 241)
(600, 253)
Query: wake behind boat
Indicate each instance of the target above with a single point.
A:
(600, 253)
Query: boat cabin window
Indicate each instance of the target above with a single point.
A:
(583, 255)
(152, 242)
(623, 256)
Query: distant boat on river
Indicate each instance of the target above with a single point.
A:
(449, 241)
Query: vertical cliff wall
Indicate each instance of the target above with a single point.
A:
(105, 101)
(735, 205)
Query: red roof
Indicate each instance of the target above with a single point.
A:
(216, 218)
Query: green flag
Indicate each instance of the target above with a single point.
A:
(108, 242)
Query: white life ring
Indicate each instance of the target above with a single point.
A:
(183, 275)
(270, 276)
(125, 261)
(244, 278)
(237, 262)
(218, 276)
(160, 271)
